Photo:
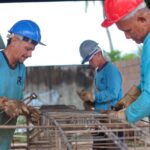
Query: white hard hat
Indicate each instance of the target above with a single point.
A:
(88, 49)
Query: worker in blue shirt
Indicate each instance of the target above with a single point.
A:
(133, 20)
(23, 37)
(107, 80)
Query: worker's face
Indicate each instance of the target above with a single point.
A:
(134, 28)
(22, 50)
(94, 62)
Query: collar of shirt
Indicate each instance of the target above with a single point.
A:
(100, 68)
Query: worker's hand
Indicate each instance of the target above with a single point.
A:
(13, 108)
(105, 111)
(34, 116)
(129, 97)
(88, 105)
(119, 115)
(9, 107)
(2, 101)
(86, 95)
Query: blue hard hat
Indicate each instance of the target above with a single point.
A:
(27, 29)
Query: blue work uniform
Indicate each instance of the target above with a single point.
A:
(108, 87)
(141, 107)
(11, 86)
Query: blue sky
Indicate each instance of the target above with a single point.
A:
(64, 25)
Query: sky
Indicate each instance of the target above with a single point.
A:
(64, 26)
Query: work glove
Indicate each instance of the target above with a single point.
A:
(34, 116)
(87, 99)
(13, 108)
(86, 95)
(117, 115)
(105, 111)
(88, 105)
(129, 97)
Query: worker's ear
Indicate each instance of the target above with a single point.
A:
(15, 38)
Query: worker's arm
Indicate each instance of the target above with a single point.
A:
(141, 107)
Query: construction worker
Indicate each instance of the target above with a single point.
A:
(23, 37)
(133, 18)
(108, 80)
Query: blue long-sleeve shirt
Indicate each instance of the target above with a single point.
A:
(108, 87)
(141, 107)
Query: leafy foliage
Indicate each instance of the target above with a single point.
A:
(116, 55)
(128, 56)
(147, 3)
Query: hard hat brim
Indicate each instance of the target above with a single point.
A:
(106, 23)
(42, 44)
(89, 57)
(85, 60)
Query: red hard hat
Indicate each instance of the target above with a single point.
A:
(117, 9)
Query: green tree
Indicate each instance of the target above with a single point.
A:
(116, 55)
(147, 3)
(128, 56)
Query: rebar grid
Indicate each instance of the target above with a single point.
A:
(86, 130)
